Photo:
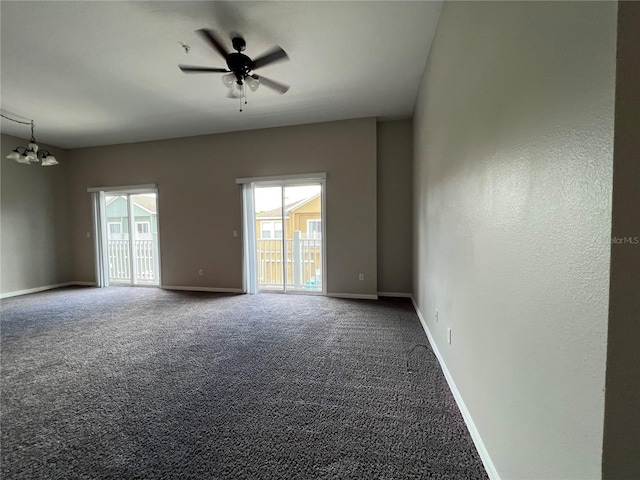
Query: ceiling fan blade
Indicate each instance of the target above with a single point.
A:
(190, 69)
(211, 37)
(267, 82)
(275, 54)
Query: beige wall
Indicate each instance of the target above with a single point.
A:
(395, 220)
(513, 135)
(200, 204)
(35, 242)
(621, 457)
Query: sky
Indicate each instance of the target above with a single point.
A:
(267, 198)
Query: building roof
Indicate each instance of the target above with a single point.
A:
(145, 202)
(277, 212)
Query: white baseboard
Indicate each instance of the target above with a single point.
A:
(203, 289)
(466, 415)
(43, 288)
(360, 296)
(394, 294)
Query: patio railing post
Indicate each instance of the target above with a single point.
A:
(297, 260)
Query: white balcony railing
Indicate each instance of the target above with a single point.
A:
(120, 264)
(303, 262)
(302, 258)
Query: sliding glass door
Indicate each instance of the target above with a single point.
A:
(125, 232)
(131, 226)
(303, 239)
(269, 245)
(285, 244)
(118, 244)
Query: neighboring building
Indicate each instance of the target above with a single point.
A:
(303, 256)
(144, 214)
(303, 216)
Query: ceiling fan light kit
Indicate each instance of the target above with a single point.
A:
(31, 153)
(240, 66)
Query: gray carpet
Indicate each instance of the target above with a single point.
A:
(124, 383)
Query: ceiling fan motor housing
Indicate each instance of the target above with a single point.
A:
(240, 65)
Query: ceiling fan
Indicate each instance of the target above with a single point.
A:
(240, 66)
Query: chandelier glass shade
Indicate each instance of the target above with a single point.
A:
(32, 153)
(236, 89)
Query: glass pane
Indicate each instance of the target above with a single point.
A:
(145, 241)
(269, 253)
(303, 237)
(117, 211)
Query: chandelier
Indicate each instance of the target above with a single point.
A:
(31, 154)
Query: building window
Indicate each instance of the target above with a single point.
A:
(115, 228)
(314, 228)
(266, 228)
(143, 227)
(270, 229)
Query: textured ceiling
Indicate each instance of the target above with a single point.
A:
(100, 73)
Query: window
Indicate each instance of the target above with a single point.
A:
(270, 229)
(143, 227)
(314, 228)
(115, 228)
(266, 229)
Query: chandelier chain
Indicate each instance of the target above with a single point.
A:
(33, 138)
(17, 121)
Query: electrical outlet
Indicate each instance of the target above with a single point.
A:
(436, 315)
(449, 336)
(361, 277)
(201, 272)
(235, 233)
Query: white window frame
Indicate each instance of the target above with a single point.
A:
(148, 224)
(101, 257)
(266, 226)
(272, 230)
(119, 224)
(250, 279)
(311, 222)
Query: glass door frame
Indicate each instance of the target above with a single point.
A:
(100, 229)
(250, 283)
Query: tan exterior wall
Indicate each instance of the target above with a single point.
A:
(299, 216)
